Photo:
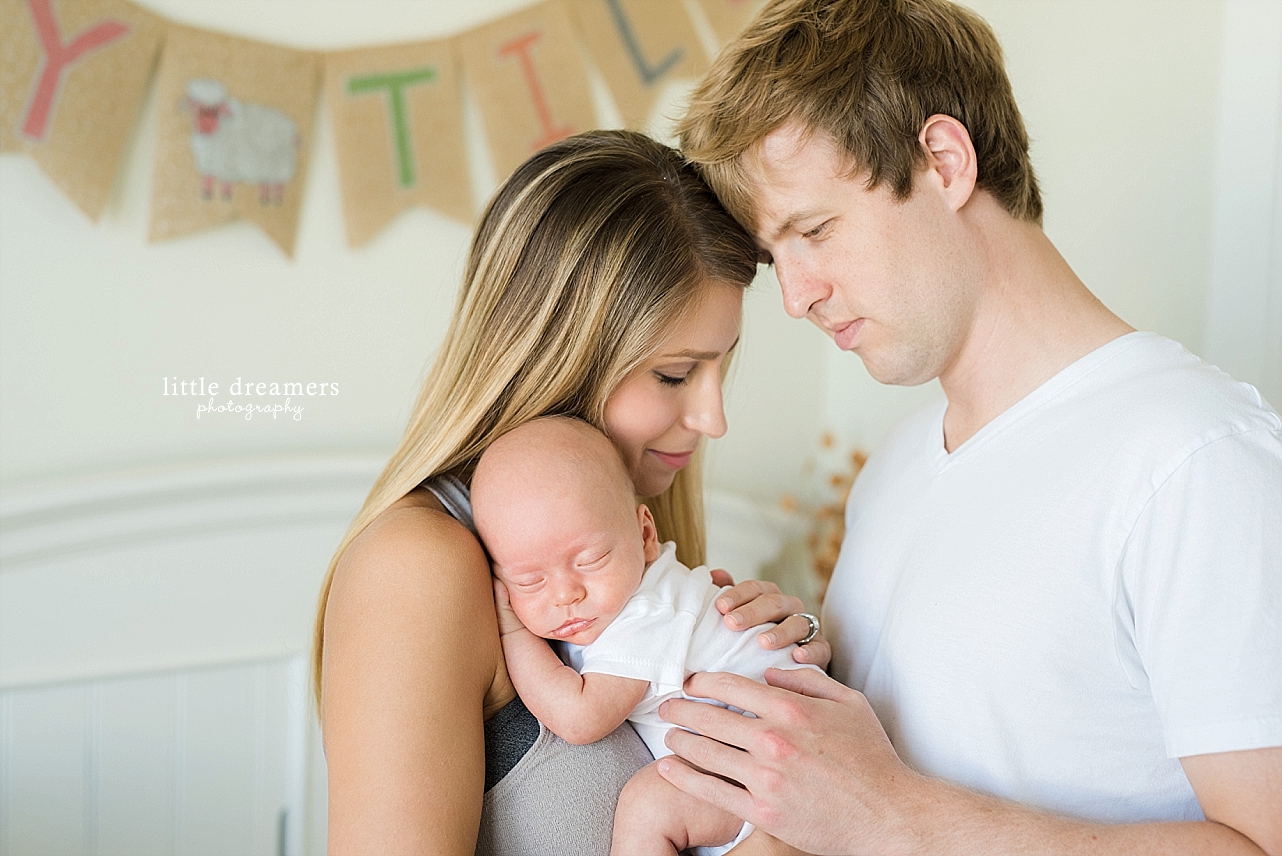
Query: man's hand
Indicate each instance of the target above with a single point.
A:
(819, 773)
(754, 602)
(508, 622)
(813, 739)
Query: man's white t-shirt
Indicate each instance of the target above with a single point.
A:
(1086, 590)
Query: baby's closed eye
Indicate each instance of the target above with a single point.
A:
(592, 563)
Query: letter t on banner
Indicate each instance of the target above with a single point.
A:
(530, 82)
(394, 84)
(640, 46)
(398, 125)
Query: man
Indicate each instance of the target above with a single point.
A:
(1060, 591)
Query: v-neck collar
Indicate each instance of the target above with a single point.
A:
(1055, 386)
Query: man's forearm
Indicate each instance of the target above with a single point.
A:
(817, 770)
(944, 820)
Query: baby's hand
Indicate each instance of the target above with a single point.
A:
(508, 622)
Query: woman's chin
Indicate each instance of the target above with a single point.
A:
(652, 484)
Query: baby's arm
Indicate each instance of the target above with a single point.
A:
(577, 708)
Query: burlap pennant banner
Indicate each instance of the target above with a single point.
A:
(236, 115)
(640, 46)
(398, 125)
(529, 81)
(233, 136)
(73, 76)
(728, 17)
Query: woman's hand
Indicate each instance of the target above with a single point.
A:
(755, 602)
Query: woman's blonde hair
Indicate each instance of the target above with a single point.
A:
(585, 258)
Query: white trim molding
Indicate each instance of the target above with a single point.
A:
(174, 568)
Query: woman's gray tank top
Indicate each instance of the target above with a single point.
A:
(543, 795)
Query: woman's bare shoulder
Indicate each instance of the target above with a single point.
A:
(415, 578)
(417, 535)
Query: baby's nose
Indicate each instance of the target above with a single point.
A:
(569, 589)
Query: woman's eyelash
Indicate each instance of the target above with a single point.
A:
(669, 380)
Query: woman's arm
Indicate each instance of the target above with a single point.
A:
(579, 709)
(411, 657)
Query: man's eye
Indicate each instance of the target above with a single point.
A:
(814, 233)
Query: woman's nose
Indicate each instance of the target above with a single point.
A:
(707, 413)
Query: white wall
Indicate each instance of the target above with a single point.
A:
(1244, 301)
(1120, 99)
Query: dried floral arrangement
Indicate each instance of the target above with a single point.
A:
(832, 473)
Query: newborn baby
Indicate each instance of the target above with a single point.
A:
(577, 560)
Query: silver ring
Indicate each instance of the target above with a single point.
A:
(814, 626)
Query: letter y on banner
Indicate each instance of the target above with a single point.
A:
(640, 46)
(530, 82)
(73, 75)
(398, 124)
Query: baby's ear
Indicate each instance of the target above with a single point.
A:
(649, 533)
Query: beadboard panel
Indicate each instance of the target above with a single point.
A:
(194, 762)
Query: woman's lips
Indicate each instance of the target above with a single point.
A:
(571, 627)
(846, 334)
(673, 460)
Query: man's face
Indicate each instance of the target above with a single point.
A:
(887, 279)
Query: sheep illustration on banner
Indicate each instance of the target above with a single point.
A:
(72, 83)
(398, 126)
(641, 46)
(728, 17)
(234, 141)
(529, 81)
(232, 137)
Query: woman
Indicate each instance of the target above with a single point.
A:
(604, 282)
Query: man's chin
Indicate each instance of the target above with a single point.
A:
(895, 374)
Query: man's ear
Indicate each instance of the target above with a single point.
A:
(950, 157)
(649, 533)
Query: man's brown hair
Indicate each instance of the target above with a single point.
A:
(868, 73)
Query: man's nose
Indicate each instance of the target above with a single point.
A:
(801, 290)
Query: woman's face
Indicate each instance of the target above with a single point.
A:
(660, 411)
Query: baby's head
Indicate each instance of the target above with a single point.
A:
(554, 506)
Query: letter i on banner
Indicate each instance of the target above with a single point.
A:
(529, 80)
(398, 125)
(728, 17)
(232, 139)
(73, 78)
(640, 47)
